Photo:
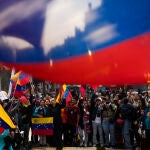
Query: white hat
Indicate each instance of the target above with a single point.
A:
(99, 99)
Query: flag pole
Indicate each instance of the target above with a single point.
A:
(32, 86)
(10, 84)
(16, 84)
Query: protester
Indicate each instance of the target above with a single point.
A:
(54, 110)
(126, 113)
(41, 112)
(108, 122)
(73, 115)
(24, 114)
(97, 122)
(85, 128)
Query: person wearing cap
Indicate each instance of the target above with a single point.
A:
(97, 122)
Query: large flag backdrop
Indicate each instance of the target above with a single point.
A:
(73, 41)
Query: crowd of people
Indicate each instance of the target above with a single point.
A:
(104, 118)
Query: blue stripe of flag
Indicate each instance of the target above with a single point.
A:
(42, 126)
(3, 124)
(20, 88)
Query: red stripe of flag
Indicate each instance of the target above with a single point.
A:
(42, 131)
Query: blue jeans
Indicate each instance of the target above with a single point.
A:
(97, 127)
(126, 133)
(109, 129)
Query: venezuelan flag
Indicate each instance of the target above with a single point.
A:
(42, 126)
(67, 95)
(5, 121)
(64, 93)
(20, 78)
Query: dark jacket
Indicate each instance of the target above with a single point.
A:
(55, 112)
(126, 111)
(27, 113)
(96, 111)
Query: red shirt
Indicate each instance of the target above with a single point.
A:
(73, 113)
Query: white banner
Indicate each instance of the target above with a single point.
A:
(3, 95)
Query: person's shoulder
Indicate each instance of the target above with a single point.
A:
(130, 105)
(122, 105)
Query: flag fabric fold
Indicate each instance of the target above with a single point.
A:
(19, 91)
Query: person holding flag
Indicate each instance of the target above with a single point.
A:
(54, 110)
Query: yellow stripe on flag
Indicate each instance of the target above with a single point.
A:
(15, 77)
(42, 120)
(64, 87)
(61, 93)
(58, 98)
(4, 116)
